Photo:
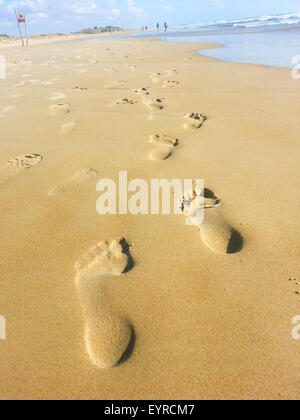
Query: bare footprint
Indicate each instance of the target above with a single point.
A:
(109, 337)
(159, 140)
(80, 88)
(17, 165)
(154, 104)
(74, 181)
(170, 83)
(169, 73)
(131, 66)
(215, 232)
(59, 109)
(161, 153)
(142, 91)
(187, 61)
(194, 120)
(155, 77)
(57, 96)
(126, 101)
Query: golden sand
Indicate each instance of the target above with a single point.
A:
(158, 309)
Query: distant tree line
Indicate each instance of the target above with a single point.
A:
(99, 30)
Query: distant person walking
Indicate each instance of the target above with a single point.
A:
(158, 27)
(166, 26)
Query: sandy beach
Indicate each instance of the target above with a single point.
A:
(9, 43)
(193, 315)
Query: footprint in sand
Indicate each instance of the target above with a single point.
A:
(126, 101)
(194, 120)
(160, 153)
(170, 83)
(80, 88)
(109, 337)
(74, 181)
(59, 109)
(131, 66)
(155, 77)
(215, 232)
(164, 147)
(141, 91)
(17, 165)
(169, 73)
(163, 140)
(57, 96)
(154, 104)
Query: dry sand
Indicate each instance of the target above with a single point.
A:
(191, 316)
(34, 40)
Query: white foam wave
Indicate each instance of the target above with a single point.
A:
(283, 19)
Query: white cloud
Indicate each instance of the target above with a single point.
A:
(61, 15)
(137, 11)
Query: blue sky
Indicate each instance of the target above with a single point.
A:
(71, 15)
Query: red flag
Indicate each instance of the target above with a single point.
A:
(20, 18)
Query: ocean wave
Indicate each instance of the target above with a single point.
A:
(283, 19)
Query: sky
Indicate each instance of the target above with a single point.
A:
(46, 16)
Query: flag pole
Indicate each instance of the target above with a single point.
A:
(26, 31)
(20, 29)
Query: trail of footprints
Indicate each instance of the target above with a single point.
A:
(109, 336)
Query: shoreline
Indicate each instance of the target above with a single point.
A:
(208, 325)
